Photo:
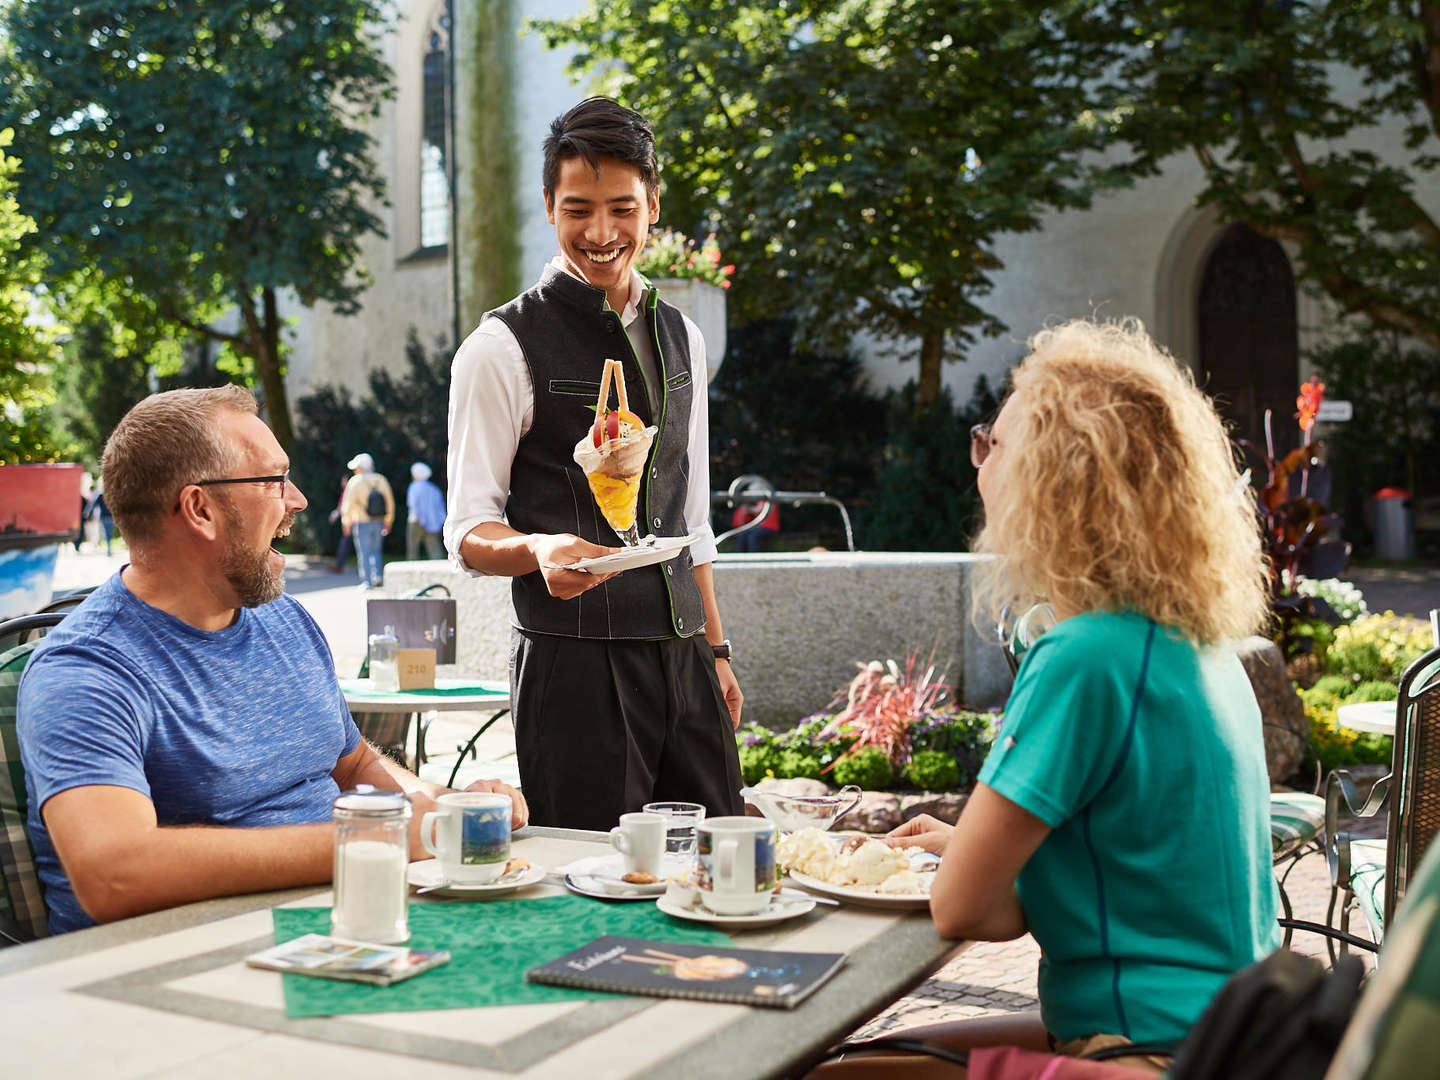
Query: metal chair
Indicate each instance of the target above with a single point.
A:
(1364, 872)
(23, 914)
(22, 628)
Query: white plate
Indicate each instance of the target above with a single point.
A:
(778, 911)
(852, 895)
(425, 874)
(651, 550)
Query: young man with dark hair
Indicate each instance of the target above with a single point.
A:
(621, 684)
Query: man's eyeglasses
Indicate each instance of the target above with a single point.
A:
(283, 479)
(979, 444)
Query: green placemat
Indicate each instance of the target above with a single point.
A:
(491, 946)
(425, 692)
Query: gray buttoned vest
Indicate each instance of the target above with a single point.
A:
(566, 331)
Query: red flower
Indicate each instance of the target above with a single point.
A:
(1312, 393)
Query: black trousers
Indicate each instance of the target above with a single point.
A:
(603, 727)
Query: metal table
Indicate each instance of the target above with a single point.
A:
(167, 996)
(448, 695)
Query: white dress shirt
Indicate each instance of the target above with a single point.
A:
(492, 406)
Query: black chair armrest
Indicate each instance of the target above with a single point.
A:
(1340, 788)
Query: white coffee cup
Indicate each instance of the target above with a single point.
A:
(469, 833)
(737, 864)
(641, 839)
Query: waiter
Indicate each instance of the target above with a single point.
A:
(621, 684)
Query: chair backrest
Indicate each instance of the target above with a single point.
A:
(1392, 1033)
(1415, 800)
(24, 628)
(22, 901)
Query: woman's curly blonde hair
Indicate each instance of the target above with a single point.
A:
(1118, 490)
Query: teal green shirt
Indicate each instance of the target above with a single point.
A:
(1144, 755)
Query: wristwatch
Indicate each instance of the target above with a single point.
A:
(723, 650)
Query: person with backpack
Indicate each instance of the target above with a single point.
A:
(367, 510)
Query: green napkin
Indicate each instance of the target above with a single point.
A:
(491, 946)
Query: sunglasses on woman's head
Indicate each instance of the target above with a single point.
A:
(979, 444)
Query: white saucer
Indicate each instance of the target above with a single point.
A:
(651, 550)
(425, 874)
(778, 911)
(598, 889)
(601, 875)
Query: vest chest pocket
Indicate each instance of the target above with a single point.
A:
(574, 388)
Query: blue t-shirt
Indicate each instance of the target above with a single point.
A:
(1144, 755)
(241, 726)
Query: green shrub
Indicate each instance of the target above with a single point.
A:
(933, 770)
(805, 738)
(869, 768)
(1374, 690)
(757, 762)
(1336, 686)
(1377, 647)
(1338, 746)
(793, 764)
(963, 734)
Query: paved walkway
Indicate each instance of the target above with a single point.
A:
(989, 977)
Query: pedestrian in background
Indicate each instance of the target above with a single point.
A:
(425, 506)
(346, 547)
(366, 512)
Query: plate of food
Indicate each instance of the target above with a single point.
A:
(870, 895)
(430, 876)
(649, 551)
(779, 910)
(858, 869)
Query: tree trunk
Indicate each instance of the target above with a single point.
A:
(264, 336)
(932, 351)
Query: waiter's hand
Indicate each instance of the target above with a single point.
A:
(731, 688)
(553, 552)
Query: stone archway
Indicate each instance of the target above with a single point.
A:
(1248, 355)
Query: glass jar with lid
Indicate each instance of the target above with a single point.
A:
(372, 854)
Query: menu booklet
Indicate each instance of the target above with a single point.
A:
(353, 961)
(624, 965)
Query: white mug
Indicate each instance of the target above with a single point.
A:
(641, 839)
(469, 832)
(737, 864)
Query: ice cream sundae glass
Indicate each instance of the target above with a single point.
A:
(613, 454)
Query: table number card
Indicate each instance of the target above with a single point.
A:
(417, 668)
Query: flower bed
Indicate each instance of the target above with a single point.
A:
(1361, 661)
(888, 729)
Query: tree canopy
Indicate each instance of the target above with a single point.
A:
(27, 347)
(859, 159)
(1282, 104)
(200, 158)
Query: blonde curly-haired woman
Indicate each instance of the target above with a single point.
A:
(1122, 815)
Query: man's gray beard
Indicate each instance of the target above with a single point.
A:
(246, 569)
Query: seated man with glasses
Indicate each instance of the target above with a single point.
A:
(183, 732)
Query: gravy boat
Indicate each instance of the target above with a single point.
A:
(791, 813)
